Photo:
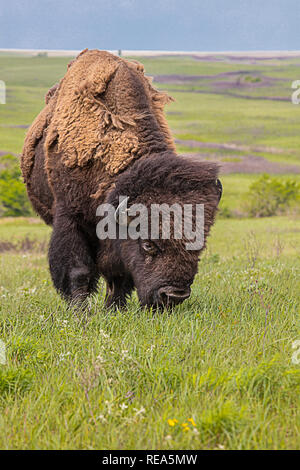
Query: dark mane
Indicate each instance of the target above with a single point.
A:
(169, 173)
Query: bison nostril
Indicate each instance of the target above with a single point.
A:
(171, 294)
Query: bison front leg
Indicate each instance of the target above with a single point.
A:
(118, 290)
(71, 261)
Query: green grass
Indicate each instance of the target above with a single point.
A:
(113, 380)
(267, 123)
(27, 81)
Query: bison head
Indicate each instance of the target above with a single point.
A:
(180, 197)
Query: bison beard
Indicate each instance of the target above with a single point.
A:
(125, 150)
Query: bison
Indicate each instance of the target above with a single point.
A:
(102, 136)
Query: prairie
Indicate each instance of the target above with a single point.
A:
(220, 371)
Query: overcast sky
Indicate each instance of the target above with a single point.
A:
(204, 25)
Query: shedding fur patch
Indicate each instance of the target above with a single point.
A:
(87, 123)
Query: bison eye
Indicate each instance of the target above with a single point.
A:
(149, 247)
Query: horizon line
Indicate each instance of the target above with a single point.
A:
(145, 52)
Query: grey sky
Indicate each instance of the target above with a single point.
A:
(205, 25)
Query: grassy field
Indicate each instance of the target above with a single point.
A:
(204, 109)
(219, 364)
(217, 371)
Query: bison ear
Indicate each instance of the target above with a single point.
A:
(219, 188)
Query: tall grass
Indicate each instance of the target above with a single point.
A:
(216, 372)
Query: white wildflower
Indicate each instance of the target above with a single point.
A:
(63, 356)
(102, 418)
(100, 359)
(103, 334)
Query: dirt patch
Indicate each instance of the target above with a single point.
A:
(250, 58)
(254, 78)
(249, 97)
(27, 220)
(23, 246)
(174, 113)
(246, 82)
(246, 164)
(231, 146)
(241, 80)
(15, 126)
(241, 163)
(180, 79)
(6, 152)
(234, 95)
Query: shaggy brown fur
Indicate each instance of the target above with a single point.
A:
(103, 134)
(83, 117)
(104, 109)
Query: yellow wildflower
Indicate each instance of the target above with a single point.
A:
(192, 421)
(172, 422)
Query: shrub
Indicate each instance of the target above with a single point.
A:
(42, 54)
(252, 79)
(225, 212)
(270, 196)
(13, 197)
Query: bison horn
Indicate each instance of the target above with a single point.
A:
(219, 188)
(121, 212)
